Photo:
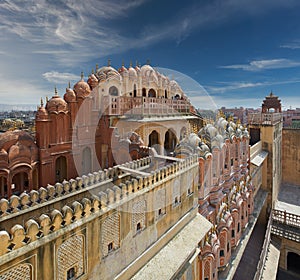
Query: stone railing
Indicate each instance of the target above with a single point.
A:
(16, 204)
(79, 211)
(140, 106)
(264, 118)
(286, 225)
(264, 250)
(286, 218)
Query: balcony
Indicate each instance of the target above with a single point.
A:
(144, 106)
(264, 118)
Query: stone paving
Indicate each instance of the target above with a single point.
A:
(289, 198)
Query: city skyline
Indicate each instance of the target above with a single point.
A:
(235, 52)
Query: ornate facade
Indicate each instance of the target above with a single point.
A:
(124, 181)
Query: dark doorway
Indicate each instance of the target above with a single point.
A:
(293, 262)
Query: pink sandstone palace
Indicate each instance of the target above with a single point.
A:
(125, 180)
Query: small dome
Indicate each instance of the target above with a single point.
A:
(132, 73)
(122, 69)
(107, 72)
(17, 151)
(69, 95)
(42, 113)
(149, 73)
(92, 81)
(82, 89)
(137, 69)
(146, 69)
(56, 104)
(194, 140)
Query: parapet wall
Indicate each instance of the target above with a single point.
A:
(94, 193)
(291, 156)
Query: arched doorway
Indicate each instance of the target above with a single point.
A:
(86, 161)
(151, 93)
(60, 169)
(144, 92)
(293, 261)
(20, 182)
(170, 141)
(154, 140)
(134, 91)
(3, 186)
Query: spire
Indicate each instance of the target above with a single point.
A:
(42, 102)
(108, 62)
(123, 62)
(93, 72)
(55, 91)
(130, 64)
(97, 67)
(81, 75)
(46, 99)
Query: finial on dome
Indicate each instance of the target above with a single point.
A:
(136, 63)
(93, 72)
(123, 62)
(108, 62)
(81, 75)
(97, 67)
(69, 84)
(148, 61)
(42, 102)
(55, 91)
(46, 99)
(130, 64)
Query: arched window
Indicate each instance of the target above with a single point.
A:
(226, 158)
(60, 169)
(113, 91)
(134, 91)
(166, 94)
(20, 182)
(86, 161)
(151, 93)
(154, 140)
(170, 141)
(144, 92)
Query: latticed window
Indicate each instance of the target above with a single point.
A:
(139, 215)
(160, 203)
(19, 272)
(110, 233)
(70, 258)
(207, 268)
(176, 193)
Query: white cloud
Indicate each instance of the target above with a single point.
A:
(231, 86)
(22, 92)
(60, 78)
(84, 29)
(293, 45)
(258, 65)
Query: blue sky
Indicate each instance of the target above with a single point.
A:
(236, 51)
